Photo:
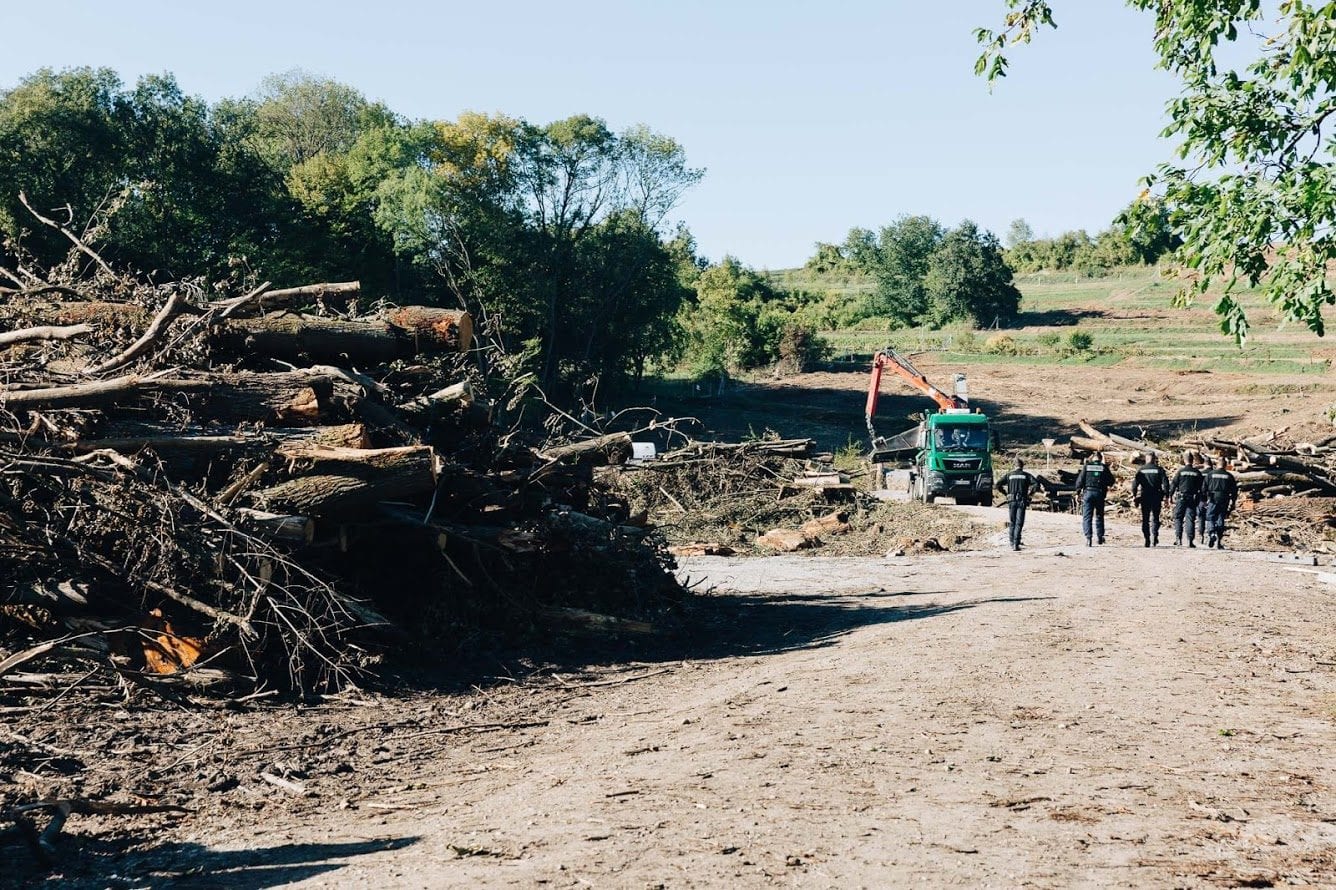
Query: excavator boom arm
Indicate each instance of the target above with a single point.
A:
(901, 366)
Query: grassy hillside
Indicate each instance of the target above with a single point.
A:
(1128, 315)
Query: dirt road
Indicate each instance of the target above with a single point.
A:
(1064, 716)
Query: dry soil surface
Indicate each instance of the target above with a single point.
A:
(1062, 716)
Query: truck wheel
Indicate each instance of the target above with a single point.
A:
(985, 500)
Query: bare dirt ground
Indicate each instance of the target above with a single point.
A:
(1063, 716)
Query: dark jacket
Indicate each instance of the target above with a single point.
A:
(1151, 484)
(1221, 487)
(1018, 486)
(1095, 477)
(1187, 483)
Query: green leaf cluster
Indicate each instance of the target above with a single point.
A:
(1252, 194)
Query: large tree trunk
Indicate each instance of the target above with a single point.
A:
(345, 479)
(400, 333)
(295, 398)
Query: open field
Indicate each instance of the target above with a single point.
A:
(1130, 317)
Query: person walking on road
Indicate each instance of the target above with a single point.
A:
(1221, 493)
(1207, 465)
(1018, 486)
(1186, 492)
(1149, 488)
(1093, 483)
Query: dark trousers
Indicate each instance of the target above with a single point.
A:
(1150, 519)
(1201, 519)
(1215, 517)
(1015, 521)
(1185, 514)
(1092, 513)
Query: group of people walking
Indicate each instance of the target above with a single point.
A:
(1201, 499)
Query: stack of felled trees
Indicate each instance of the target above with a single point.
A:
(255, 489)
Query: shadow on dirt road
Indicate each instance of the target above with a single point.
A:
(718, 626)
(194, 865)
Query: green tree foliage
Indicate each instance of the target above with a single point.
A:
(898, 258)
(739, 321)
(554, 234)
(1141, 233)
(554, 231)
(1253, 190)
(926, 274)
(81, 145)
(968, 280)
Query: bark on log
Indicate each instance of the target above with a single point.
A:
(79, 395)
(145, 342)
(279, 527)
(612, 448)
(460, 393)
(836, 523)
(291, 398)
(295, 397)
(784, 540)
(265, 298)
(402, 333)
(1112, 439)
(101, 313)
(44, 333)
(346, 479)
(432, 329)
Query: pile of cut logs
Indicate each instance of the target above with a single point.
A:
(256, 489)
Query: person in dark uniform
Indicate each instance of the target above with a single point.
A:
(1186, 492)
(1093, 483)
(1207, 465)
(1220, 491)
(1149, 488)
(1018, 486)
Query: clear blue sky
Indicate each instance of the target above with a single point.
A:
(809, 117)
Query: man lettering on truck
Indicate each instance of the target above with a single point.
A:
(1093, 483)
(1018, 486)
(1149, 487)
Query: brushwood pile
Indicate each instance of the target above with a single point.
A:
(273, 488)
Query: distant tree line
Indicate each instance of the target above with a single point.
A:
(922, 274)
(1139, 234)
(555, 235)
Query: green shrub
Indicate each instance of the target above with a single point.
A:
(966, 341)
(1002, 344)
(1049, 341)
(1080, 341)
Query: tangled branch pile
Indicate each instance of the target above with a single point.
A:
(711, 498)
(257, 489)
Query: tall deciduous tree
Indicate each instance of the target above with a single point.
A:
(967, 279)
(1253, 193)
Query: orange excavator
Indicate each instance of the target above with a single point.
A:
(949, 451)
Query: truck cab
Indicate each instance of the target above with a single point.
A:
(954, 458)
